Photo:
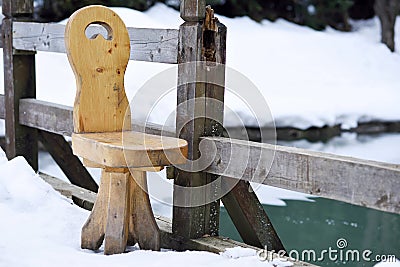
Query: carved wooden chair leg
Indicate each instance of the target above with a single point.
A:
(93, 231)
(116, 232)
(142, 225)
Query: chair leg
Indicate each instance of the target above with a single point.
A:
(116, 231)
(92, 234)
(142, 225)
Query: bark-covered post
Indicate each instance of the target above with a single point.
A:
(387, 11)
(19, 82)
(201, 39)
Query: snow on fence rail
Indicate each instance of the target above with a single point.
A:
(356, 181)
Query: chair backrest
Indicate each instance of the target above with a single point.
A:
(99, 66)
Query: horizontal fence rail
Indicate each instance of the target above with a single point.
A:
(152, 45)
(57, 118)
(356, 181)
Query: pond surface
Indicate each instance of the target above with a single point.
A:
(319, 225)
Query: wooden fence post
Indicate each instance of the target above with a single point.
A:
(19, 82)
(198, 41)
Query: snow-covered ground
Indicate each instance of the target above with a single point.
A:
(39, 227)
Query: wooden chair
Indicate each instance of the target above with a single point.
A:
(122, 213)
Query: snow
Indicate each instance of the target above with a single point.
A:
(238, 252)
(388, 264)
(308, 78)
(42, 228)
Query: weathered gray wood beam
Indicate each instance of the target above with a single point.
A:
(46, 116)
(361, 182)
(2, 107)
(249, 217)
(1, 39)
(152, 45)
(57, 118)
(61, 151)
(85, 199)
(17, 8)
(82, 197)
(19, 82)
(199, 112)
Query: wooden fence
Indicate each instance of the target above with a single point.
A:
(360, 182)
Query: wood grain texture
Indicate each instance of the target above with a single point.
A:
(249, 217)
(140, 212)
(189, 222)
(57, 118)
(17, 8)
(129, 149)
(356, 181)
(20, 82)
(99, 66)
(93, 230)
(47, 116)
(200, 112)
(2, 107)
(193, 10)
(151, 45)
(117, 222)
(80, 196)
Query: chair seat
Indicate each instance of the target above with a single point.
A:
(129, 149)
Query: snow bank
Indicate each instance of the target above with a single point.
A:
(39, 227)
(388, 264)
(238, 252)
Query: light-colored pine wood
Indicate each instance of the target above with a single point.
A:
(57, 118)
(94, 229)
(103, 137)
(116, 231)
(99, 66)
(129, 149)
(141, 217)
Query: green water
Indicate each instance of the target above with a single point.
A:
(318, 225)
